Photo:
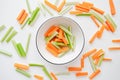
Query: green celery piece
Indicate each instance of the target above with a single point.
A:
(11, 36)
(23, 72)
(54, 43)
(73, 41)
(21, 50)
(65, 30)
(28, 43)
(39, 65)
(62, 54)
(51, 36)
(71, 3)
(94, 68)
(65, 34)
(59, 43)
(7, 33)
(100, 60)
(28, 6)
(5, 53)
(84, 14)
(2, 27)
(45, 8)
(25, 23)
(47, 73)
(98, 16)
(62, 73)
(108, 17)
(67, 9)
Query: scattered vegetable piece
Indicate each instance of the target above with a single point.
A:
(28, 6)
(93, 37)
(28, 43)
(65, 10)
(94, 20)
(116, 40)
(62, 73)
(23, 18)
(21, 66)
(25, 23)
(38, 77)
(81, 74)
(70, 3)
(112, 7)
(2, 27)
(21, 14)
(98, 10)
(100, 60)
(94, 74)
(84, 14)
(39, 65)
(107, 59)
(61, 5)
(100, 31)
(53, 76)
(97, 54)
(5, 53)
(74, 68)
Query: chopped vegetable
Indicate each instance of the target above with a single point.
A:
(107, 59)
(82, 62)
(67, 9)
(93, 37)
(97, 54)
(28, 43)
(53, 76)
(23, 72)
(23, 18)
(116, 40)
(5, 53)
(84, 14)
(112, 29)
(21, 14)
(66, 30)
(94, 20)
(100, 60)
(100, 31)
(25, 23)
(74, 68)
(28, 6)
(114, 48)
(62, 73)
(21, 66)
(39, 65)
(112, 7)
(70, 3)
(76, 12)
(81, 74)
(61, 5)
(2, 27)
(38, 77)
(94, 74)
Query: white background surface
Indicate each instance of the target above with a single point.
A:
(9, 10)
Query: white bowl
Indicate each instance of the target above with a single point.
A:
(76, 31)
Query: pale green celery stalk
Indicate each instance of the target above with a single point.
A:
(54, 43)
(25, 23)
(98, 16)
(28, 43)
(34, 64)
(47, 9)
(7, 33)
(62, 54)
(47, 73)
(28, 6)
(59, 43)
(24, 73)
(51, 36)
(11, 36)
(73, 42)
(100, 60)
(84, 14)
(66, 30)
(69, 28)
(71, 3)
(42, 9)
(67, 9)
(5, 53)
(94, 68)
(62, 73)
(108, 17)
(2, 27)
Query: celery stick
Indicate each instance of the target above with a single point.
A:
(54, 43)
(66, 37)
(100, 60)
(45, 8)
(59, 43)
(28, 6)
(69, 28)
(42, 9)
(62, 73)
(84, 14)
(7, 33)
(23, 72)
(51, 36)
(39, 65)
(67, 9)
(28, 42)
(71, 3)
(92, 64)
(5, 53)
(70, 42)
(25, 23)
(66, 30)
(47, 73)
(11, 36)
(2, 27)
(21, 50)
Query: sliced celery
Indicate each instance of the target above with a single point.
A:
(62, 73)
(59, 43)
(67, 9)
(47, 73)
(28, 42)
(42, 9)
(28, 6)
(84, 14)
(70, 42)
(2, 27)
(65, 29)
(5, 53)
(39, 65)
(62, 54)
(25, 23)
(65, 34)
(100, 60)
(71, 3)
(54, 43)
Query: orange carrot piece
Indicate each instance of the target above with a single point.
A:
(112, 7)
(83, 6)
(76, 12)
(114, 48)
(61, 6)
(100, 32)
(94, 74)
(116, 40)
(82, 62)
(93, 37)
(23, 18)
(53, 30)
(50, 5)
(60, 34)
(110, 26)
(54, 53)
(21, 66)
(63, 49)
(88, 4)
(64, 40)
(81, 9)
(97, 60)
(53, 76)
(97, 54)
(52, 47)
(81, 74)
(107, 59)
(106, 27)
(38, 77)
(98, 10)
(58, 40)
(74, 68)
(21, 14)
(94, 20)
(89, 53)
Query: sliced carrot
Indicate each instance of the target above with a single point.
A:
(89, 52)
(21, 14)
(94, 74)
(38, 77)
(88, 4)
(23, 18)
(21, 66)
(94, 20)
(100, 32)
(60, 34)
(83, 6)
(114, 48)
(97, 60)
(98, 10)
(75, 12)
(116, 40)
(50, 5)
(107, 59)
(61, 6)
(52, 47)
(93, 37)
(63, 49)
(110, 26)
(53, 76)
(97, 54)
(82, 62)
(52, 51)
(64, 40)
(112, 7)
(81, 74)
(53, 30)
(81, 9)
(74, 68)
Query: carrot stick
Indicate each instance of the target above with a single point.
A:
(83, 6)
(93, 37)
(94, 74)
(110, 26)
(98, 10)
(97, 54)
(60, 34)
(87, 4)
(107, 59)
(54, 76)
(63, 49)
(21, 14)
(116, 40)
(52, 31)
(74, 68)
(97, 60)
(100, 32)
(112, 7)
(82, 62)
(61, 6)
(89, 53)
(23, 18)
(75, 12)
(81, 74)
(21, 66)
(38, 77)
(94, 20)
(114, 48)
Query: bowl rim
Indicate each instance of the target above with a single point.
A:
(67, 61)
